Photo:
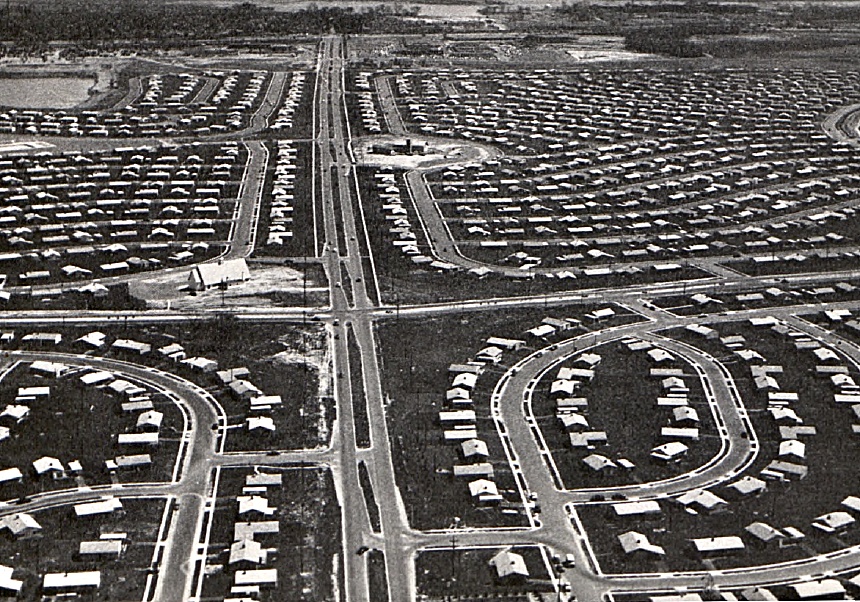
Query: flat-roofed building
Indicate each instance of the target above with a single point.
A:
(718, 545)
(101, 547)
(637, 509)
(819, 589)
(71, 582)
(261, 577)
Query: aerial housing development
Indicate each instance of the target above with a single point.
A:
(429, 302)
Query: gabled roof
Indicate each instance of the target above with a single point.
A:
(508, 564)
(19, 523)
(247, 550)
(636, 542)
(213, 274)
(254, 503)
(47, 464)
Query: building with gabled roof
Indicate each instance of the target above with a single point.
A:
(223, 273)
(7, 583)
(254, 503)
(47, 464)
(634, 542)
(701, 499)
(509, 566)
(247, 550)
(20, 525)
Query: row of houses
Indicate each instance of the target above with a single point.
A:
(740, 163)
(292, 99)
(171, 104)
(536, 111)
(399, 227)
(282, 206)
(367, 108)
(254, 545)
(110, 546)
(459, 421)
(259, 419)
(75, 216)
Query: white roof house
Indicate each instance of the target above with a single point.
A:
(137, 439)
(96, 378)
(833, 521)
(509, 565)
(748, 485)
(254, 503)
(260, 423)
(93, 339)
(637, 508)
(150, 419)
(701, 499)
(15, 412)
(818, 589)
(257, 577)
(10, 474)
(224, 273)
(47, 464)
(71, 581)
(637, 542)
(247, 550)
(669, 451)
(484, 490)
(105, 506)
(7, 583)
(716, 545)
(20, 524)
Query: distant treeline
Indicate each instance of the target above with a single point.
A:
(674, 40)
(100, 20)
(585, 10)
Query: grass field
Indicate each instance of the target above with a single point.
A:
(622, 401)
(369, 497)
(376, 576)
(359, 399)
(466, 572)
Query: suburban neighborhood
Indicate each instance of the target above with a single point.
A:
(429, 302)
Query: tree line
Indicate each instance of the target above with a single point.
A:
(101, 20)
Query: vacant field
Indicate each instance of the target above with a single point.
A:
(467, 572)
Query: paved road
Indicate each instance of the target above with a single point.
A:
(392, 116)
(335, 161)
(193, 489)
(834, 124)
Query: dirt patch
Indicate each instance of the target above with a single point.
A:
(169, 290)
(419, 152)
